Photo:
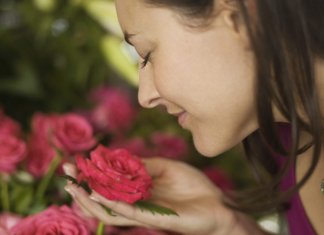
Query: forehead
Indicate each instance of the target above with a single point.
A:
(136, 15)
(131, 12)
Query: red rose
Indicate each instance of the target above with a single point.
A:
(12, 151)
(42, 125)
(114, 111)
(169, 146)
(219, 178)
(115, 174)
(55, 221)
(135, 145)
(72, 134)
(8, 126)
(92, 222)
(40, 155)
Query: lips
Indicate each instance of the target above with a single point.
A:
(181, 118)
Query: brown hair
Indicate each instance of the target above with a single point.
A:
(286, 37)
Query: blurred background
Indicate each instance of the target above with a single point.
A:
(62, 56)
(55, 54)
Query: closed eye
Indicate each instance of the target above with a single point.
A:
(145, 60)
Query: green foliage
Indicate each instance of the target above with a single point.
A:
(52, 53)
(49, 60)
(154, 208)
(142, 205)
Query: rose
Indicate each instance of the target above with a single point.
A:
(12, 151)
(8, 126)
(115, 174)
(160, 144)
(92, 222)
(7, 221)
(219, 178)
(72, 134)
(169, 146)
(39, 157)
(114, 111)
(42, 125)
(40, 150)
(54, 220)
(135, 145)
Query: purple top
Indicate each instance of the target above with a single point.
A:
(296, 216)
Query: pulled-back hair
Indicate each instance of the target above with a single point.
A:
(286, 36)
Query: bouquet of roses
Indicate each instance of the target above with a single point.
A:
(55, 139)
(33, 199)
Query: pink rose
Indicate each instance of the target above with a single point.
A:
(115, 174)
(219, 178)
(40, 155)
(136, 146)
(169, 146)
(12, 152)
(92, 223)
(40, 149)
(55, 221)
(42, 125)
(114, 111)
(7, 221)
(8, 126)
(72, 134)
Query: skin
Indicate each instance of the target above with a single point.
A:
(214, 93)
(174, 49)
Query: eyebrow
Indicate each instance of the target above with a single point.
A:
(128, 36)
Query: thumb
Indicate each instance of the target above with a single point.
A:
(158, 166)
(70, 169)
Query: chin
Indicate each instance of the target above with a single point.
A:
(211, 149)
(207, 150)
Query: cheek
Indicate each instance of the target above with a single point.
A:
(207, 74)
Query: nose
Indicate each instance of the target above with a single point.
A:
(148, 95)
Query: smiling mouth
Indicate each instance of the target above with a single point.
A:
(181, 117)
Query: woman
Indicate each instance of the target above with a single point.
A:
(230, 71)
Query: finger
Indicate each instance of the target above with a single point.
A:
(96, 210)
(70, 169)
(133, 213)
(155, 166)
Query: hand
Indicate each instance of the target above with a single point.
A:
(177, 186)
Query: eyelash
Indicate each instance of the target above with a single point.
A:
(146, 60)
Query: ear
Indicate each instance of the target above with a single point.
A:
(230, 13)
(231, 16)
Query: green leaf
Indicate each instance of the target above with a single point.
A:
(73, 180)
(85, 186)
(143, 205)
(153, 208)
(108, 210)
(82, 184)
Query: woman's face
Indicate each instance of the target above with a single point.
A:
(204, 76)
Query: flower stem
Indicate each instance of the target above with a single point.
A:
(4, 193)
(43, 185)
(100, 228)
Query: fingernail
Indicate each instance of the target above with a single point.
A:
(66, 168)
(93, 198)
